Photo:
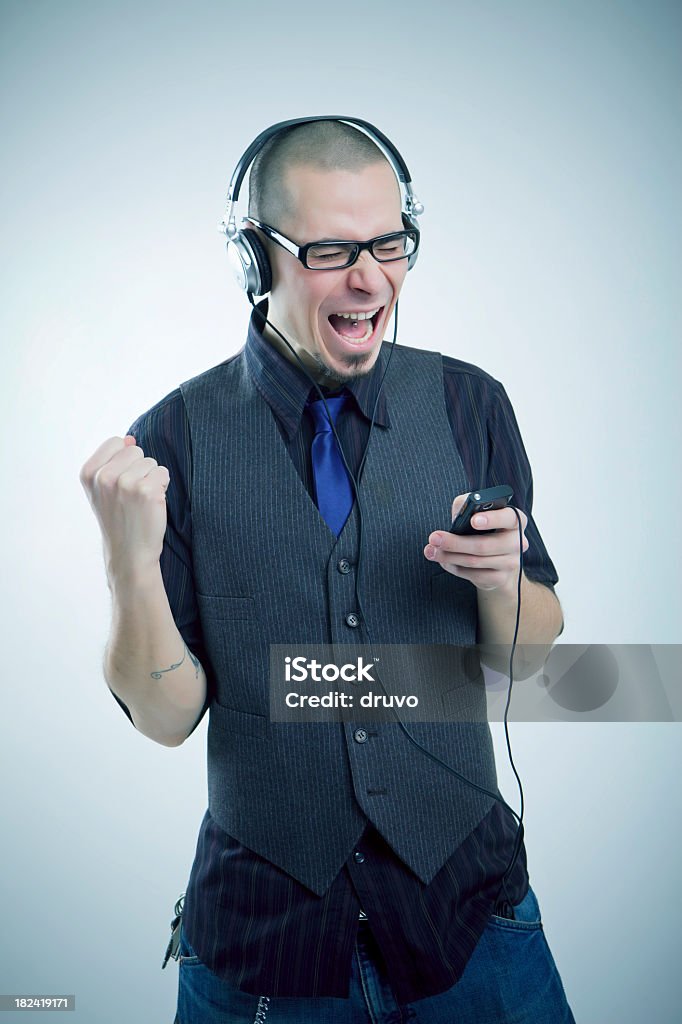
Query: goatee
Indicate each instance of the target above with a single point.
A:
(357, 366)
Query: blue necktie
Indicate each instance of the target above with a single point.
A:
(333, 492)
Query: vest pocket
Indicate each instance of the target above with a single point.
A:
(236, 648)
(465, 703)
(219, 606)
(234, 720)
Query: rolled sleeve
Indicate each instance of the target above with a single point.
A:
(162, 433)
(488, 439)
(509, 464)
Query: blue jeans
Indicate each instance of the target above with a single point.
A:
(511, 977)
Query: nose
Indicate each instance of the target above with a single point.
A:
(366, 274)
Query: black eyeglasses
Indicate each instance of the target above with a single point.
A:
(333, 255)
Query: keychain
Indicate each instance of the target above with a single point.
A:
(173, 948)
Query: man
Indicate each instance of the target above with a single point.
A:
(340, 875)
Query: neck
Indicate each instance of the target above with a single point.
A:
(320, 373)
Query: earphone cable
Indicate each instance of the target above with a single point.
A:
(363, 618)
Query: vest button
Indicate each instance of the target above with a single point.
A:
(352, 620)
(343, 566)
(360, 736)
(358, 857)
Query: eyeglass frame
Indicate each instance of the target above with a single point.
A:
(301, 251)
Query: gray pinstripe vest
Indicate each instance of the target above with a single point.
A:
(267, 572)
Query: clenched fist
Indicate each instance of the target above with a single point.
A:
(127, 492)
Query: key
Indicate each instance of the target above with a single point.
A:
(174, 942)
(173, 947)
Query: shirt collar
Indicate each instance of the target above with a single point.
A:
(286, 388)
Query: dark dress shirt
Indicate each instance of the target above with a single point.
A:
(248, 920)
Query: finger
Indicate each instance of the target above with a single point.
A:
(483, 545)
(150, 486)
(499, 519)
(139, 470)
(500, 563)
(156, 483)
(101, 456)
(482, 579)
(106, 477)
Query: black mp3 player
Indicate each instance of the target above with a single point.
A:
(480, 501)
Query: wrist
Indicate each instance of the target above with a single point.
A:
(126, 578)
(503, 596)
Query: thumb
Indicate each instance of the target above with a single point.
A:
(458, 502)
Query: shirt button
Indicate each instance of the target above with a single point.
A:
(358, 857)
(343, 566)
(360, 736)
(352, 620)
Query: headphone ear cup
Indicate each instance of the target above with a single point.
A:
(250, 263)
(261, 260)
(410, 224)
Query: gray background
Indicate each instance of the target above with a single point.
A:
(543, 139)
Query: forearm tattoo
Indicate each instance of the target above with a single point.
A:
(195, 661)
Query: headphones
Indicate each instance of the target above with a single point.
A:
(245, 250)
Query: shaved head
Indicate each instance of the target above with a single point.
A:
(324, 145)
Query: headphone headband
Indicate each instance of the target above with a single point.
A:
(412, 205)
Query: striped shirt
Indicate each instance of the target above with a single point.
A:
(247, 920)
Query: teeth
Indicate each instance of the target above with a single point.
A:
(359, 316)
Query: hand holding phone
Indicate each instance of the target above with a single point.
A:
(480, 501)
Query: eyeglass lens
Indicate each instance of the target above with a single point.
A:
(340, 254)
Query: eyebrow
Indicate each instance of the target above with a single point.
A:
(335, 238)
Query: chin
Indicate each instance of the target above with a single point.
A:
(352, 366)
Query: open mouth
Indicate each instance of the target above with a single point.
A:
(356, 328)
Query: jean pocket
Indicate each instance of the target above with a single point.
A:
(187, 956)
(527, 916)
